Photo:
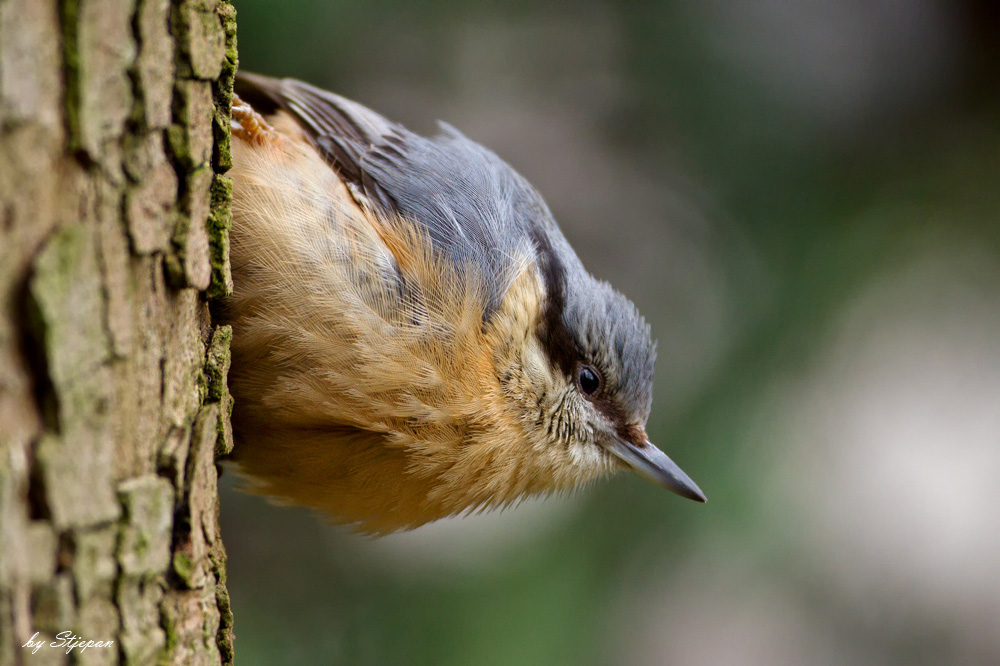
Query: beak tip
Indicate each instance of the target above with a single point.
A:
(685, 488)
(698, 496)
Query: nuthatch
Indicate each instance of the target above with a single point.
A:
(413, 336)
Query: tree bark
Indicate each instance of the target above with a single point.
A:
(114, 218)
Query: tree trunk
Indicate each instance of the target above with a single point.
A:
(114, 218)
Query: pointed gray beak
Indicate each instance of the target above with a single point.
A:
(654, 464)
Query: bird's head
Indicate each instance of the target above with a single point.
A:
(600, 352)
(583, 382)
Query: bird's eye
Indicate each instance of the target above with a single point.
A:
(588, 379)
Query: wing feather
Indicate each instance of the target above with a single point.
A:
(473, 206)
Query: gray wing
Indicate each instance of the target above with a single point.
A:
(474, 207)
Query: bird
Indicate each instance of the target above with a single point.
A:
(413, 336)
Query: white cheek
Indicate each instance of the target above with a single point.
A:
(535, 362)
(588, 456)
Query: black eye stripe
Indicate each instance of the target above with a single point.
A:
(588, 379)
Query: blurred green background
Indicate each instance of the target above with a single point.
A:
(803, 200)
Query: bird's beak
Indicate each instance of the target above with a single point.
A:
(654, 464)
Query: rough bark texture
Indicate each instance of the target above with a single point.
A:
(114, 222)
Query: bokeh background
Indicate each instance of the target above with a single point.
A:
(803, 199)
